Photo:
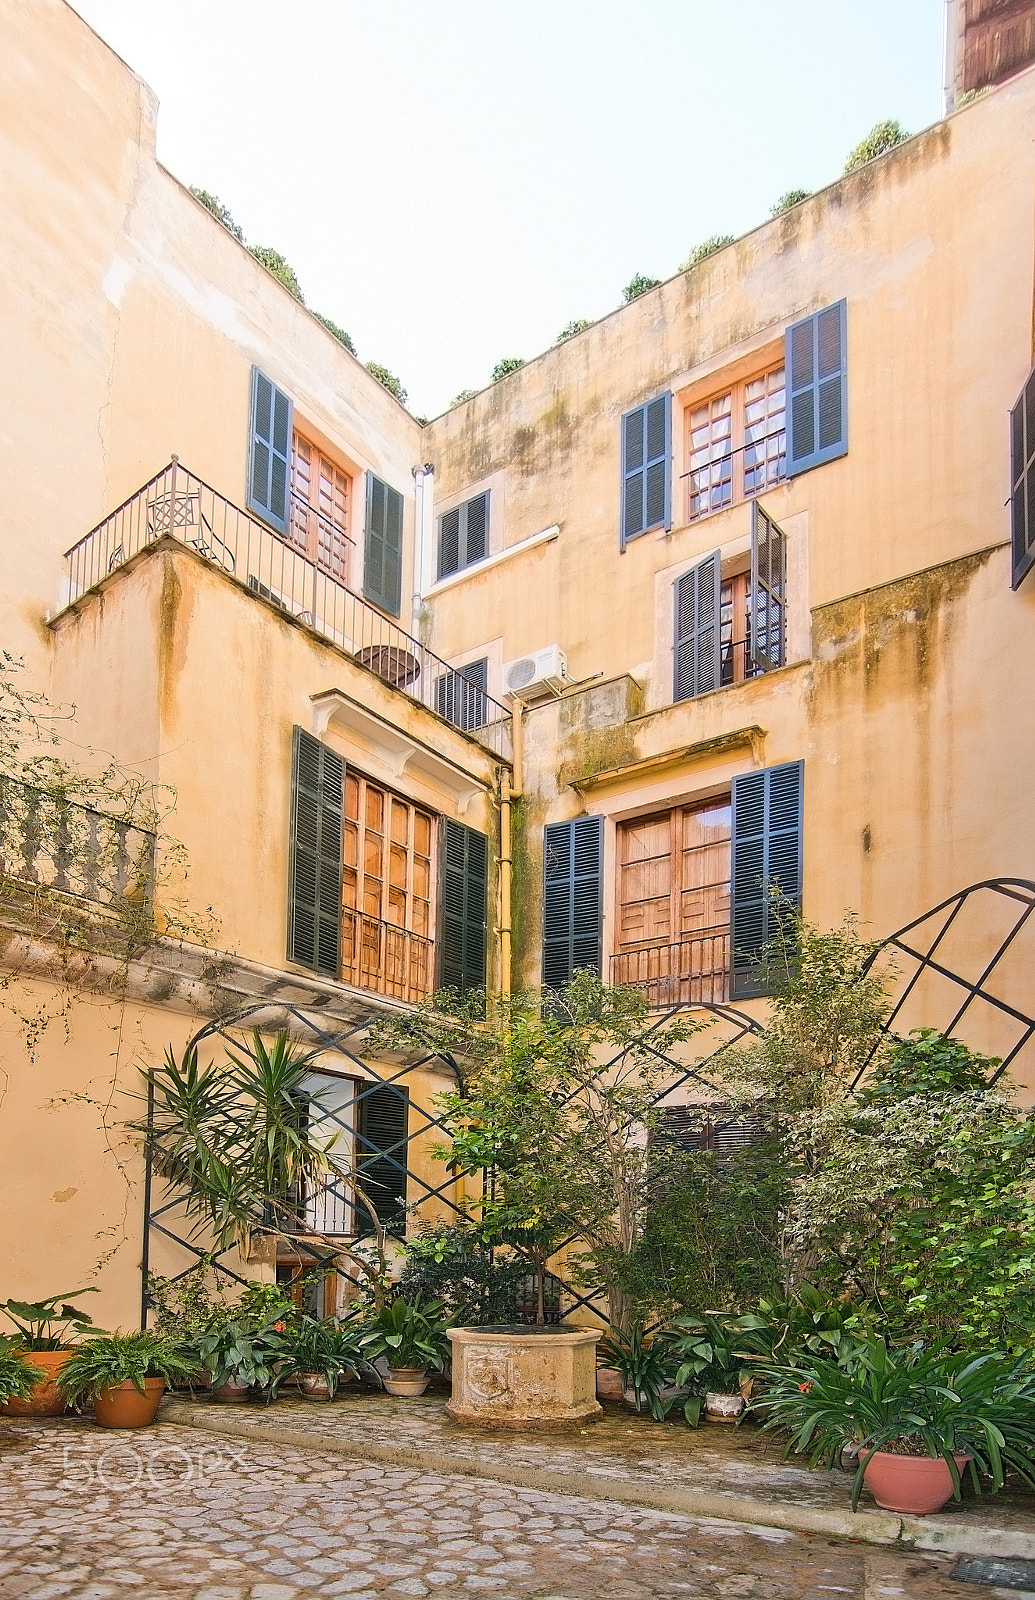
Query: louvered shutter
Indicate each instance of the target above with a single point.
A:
(382, 558)
(463, 535)
(269, 465)
(460, 696)
(697, 664)
(317, 792)
(476, 532)
(1022, 480)
(646, 467)
(382, 1126)
(815, 360)
(768, 602)
(767, 864)
(463, 898)
(572, 899)
(449, 543)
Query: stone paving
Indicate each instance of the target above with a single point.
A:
(174, 1513)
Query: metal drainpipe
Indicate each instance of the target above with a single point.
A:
(424, 500)
(510, 788)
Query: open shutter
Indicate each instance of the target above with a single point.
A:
(460, 696)
(1022, 480)
(767, 864)
(572, 899)
(269, 466)
(476, 531)
(317, 792)
(646, 467)
(449, 543)
(815, 359)
(697, 629)
(463, 897)
(382, 1127)
(768, 603)
(382, 557)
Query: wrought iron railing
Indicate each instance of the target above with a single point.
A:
(54, 843)
(386, 959)
(689, 972)
(176, 504)
(731, 475)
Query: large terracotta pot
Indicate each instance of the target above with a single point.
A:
(232, 1390)
(48, 1399)
(314, 1384)
(408, 1382)
(125, 1407)
(916, 1485)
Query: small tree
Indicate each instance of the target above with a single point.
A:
(882, 136)
(507, 365)
(638, 284)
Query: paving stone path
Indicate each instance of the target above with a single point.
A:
(177, 1514)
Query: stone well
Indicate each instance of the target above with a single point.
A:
(524, 1377)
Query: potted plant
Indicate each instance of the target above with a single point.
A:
(124, 1374)
(915, 1418)
(645, 1368)
(706, 1354)
(18, 1376)
(241, 1355)
(410, 1338)
(42, 1328)
(320, 1354)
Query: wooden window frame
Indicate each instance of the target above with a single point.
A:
(731, 482)
(310, 528)
(405, 964)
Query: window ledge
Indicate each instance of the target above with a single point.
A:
(400, 751)
(752, 737)
(545, 537)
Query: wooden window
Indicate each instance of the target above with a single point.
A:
(736, 444)
(735, 662)
(321, 499)
(387, 940)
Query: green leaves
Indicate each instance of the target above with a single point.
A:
(46, 1324)
(109, 1359)
(406, 1333)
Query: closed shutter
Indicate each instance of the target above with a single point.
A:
(767, 864)
(460, 696)
(382, 559)
(269, 466)
(449, 543)
(382, 1126)
(768, 601)
(646, 467)
(572, 899)
(463, 898)
(314, 921)
(463, 535)
(697, 664)
(815, 358)
(1022, 480)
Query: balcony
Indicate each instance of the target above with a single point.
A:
(175, 504)
(386, 959)
(693, 971)
(51, 843)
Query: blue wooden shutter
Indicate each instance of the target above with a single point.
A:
(572, 899)
(382, 1128)
(476, 529)
(317, 793)
(767, 864)
(269, 465)
(768, 598)
(449, 543)
(461, 697)
(382, 557)
(646, 467)
(463, 890)
(1022, 480)
(697, 629)
(815, 361)
(463, 535)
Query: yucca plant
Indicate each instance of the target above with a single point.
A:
(910, 1402)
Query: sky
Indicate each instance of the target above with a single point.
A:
(453, 181)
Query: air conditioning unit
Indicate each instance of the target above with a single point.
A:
(543, 672)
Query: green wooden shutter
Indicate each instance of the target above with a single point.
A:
(768, 600)
(449, 543)
(572, 899)
(767, 864)
(382, 1128)
(317, 791)
(647, 468)
(463, 535)
(382, 557)
(697, 665)
(460, 696)
(1022, 480)
(269, 465)
(476, 529)
(463, 898)
(815, 360)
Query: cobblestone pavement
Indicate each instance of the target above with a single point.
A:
(176, 1514)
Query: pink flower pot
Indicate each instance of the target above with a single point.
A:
(916, 1485)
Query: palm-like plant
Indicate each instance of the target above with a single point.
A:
(326, 1347)
(406, 1333)
(646, 1368)
(911, 1402)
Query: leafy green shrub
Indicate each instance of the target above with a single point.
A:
(219, 211)
(579, 325)
(18, 1377)
(387, 380)
(46, 1324)
(638, 284)
(406, 1333)
(455, 1265)
(463, 397)
(810, 1325)
(706, 248)
(281, 269)
(882, 136)
(507, 365)
(645, 1366)
(792, 197)
(109, 1359)
(324, 1346)
(339, 333)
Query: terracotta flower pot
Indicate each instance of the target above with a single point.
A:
(406, 1381)
(314, 1384)
(916, 1485)
(609, 1384)
(125, 1407)
(232, 1391)
(48, 1399)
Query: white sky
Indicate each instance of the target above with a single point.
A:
(454, 180)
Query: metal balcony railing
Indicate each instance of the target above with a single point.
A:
(730, 475)
(386, 959)
(694, 971)
(59, 844)
(176, 504)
